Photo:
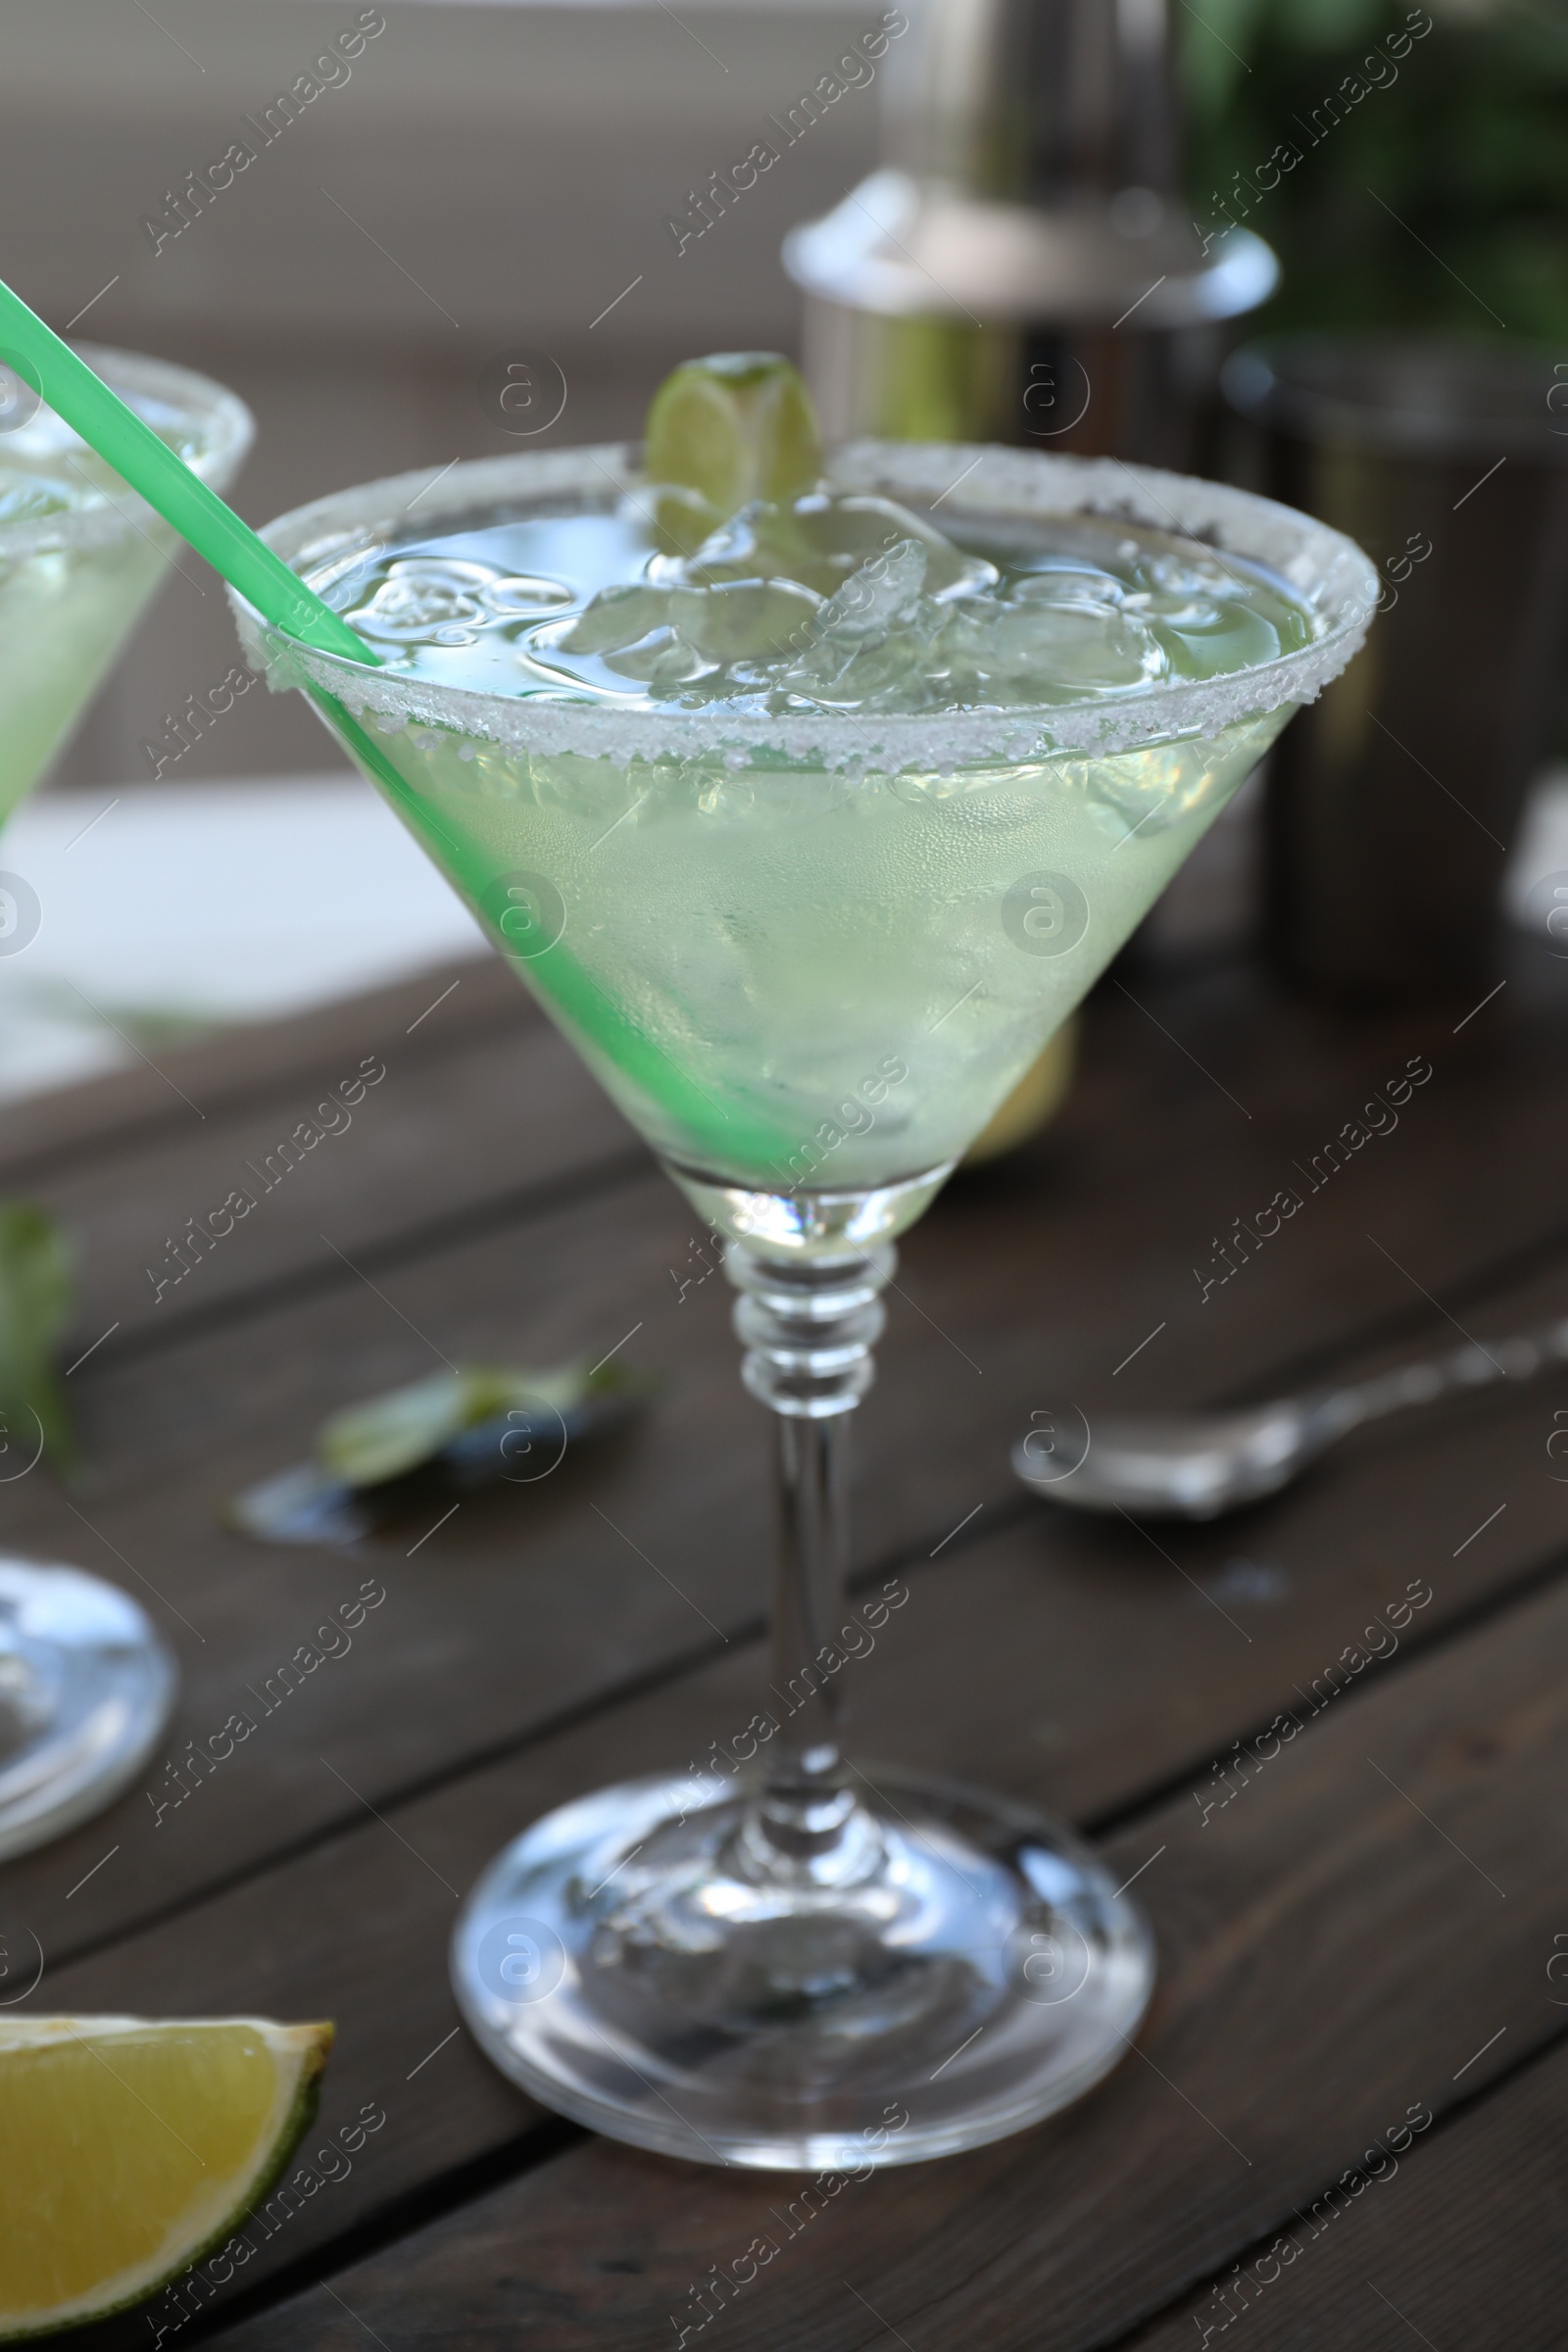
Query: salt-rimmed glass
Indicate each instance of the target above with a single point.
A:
(86, 1681)
(808, 954)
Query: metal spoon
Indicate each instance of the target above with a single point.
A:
(1199, 1465)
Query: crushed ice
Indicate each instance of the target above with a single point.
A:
(841, 602)
(849, 602)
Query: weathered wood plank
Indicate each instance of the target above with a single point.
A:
(1335, 1950)
(232, 1063)
(1462, 2240)
(361, 1130)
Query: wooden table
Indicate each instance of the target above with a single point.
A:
(1342, 2123)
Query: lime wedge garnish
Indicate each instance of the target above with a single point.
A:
(131, 2145)
(736, 427)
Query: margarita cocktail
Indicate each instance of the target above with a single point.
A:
(80, 553)
(809, 818)
(85, 1679)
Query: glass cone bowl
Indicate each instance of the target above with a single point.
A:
(74, 582)
(808, 954)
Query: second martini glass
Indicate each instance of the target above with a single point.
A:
(85, 1679)
(80, 555)
(808, 952)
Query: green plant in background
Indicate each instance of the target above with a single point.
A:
(38, 1298)
(1429, 185)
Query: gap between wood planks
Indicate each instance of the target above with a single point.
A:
(400, 2217)
(413, 1244)
(433, 2201)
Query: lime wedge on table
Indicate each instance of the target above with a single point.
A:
(736, 427)
(129, 2145)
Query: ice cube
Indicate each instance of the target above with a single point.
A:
(617, 617)
(662, 659)
(870, 641)
(421, 596)
(883, 595)
(849, 531)
(523, 595)
(758, 623)
(1035, 651)
(819, 542)
(1218, 638)
(1069, 582)
(24, 498)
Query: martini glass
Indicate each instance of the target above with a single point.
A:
(80, 553)
(85, 1679)
(808, 954)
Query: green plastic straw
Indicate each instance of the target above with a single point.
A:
(128, 444)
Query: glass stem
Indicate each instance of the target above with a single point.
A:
(808, 1326)
(812, 1473)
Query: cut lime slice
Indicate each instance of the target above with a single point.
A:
(129, 2145)
(736, 427)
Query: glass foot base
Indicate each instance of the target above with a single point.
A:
(86, 1685)
(635, 1963)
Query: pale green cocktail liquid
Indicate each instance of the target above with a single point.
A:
(787, 975)
(68, 599)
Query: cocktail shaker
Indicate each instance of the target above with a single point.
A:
(1021, 268)
(1392, 802)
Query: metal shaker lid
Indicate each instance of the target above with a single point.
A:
(906, 247)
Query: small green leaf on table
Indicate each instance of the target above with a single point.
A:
(444, 1436)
